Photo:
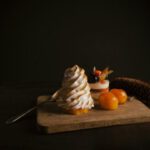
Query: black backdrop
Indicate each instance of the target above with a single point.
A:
(40, 39)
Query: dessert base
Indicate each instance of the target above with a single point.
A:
(78, 111)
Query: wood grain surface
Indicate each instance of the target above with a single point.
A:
(52, 119)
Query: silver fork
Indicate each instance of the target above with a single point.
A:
(14, 119)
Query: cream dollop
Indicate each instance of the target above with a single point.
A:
(75, 91)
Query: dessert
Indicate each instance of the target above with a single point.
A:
(74, 96)
(101, 84)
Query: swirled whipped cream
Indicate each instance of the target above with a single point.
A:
(75, 91)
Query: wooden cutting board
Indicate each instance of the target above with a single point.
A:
(51, 119)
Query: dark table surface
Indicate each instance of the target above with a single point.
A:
(16, 98)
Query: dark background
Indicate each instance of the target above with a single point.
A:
(40, 39)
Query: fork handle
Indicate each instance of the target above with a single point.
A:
(18, 117)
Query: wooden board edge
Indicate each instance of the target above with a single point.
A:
(85, 126)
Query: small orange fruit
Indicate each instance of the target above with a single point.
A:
(108, 101)
(120, 94)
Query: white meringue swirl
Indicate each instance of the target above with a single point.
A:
(75, 91)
